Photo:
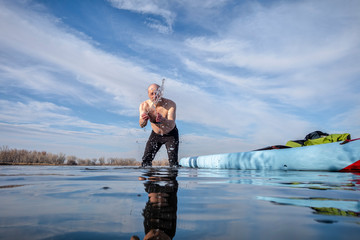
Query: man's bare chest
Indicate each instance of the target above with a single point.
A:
(153, 111)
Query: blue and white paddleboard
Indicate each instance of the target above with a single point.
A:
(324, 157)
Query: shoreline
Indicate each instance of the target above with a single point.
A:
(22, 157)
(134, 164)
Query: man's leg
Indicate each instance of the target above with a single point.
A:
(172, 147)
(152, 147)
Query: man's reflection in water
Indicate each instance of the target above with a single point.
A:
(160, 210)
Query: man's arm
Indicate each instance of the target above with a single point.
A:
(172, 113)
(171, 116)
(143, 115)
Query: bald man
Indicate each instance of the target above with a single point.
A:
(161, 113)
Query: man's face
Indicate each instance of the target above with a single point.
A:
(153, 94)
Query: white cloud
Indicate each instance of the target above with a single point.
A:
(167, 11)
(285, 37)
(39, 39)
(46, 80)
(292, 52)
(35, 125)
(34, 111)
(153, 7)
(347, 122)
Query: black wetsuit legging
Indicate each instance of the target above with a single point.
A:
(171, 141)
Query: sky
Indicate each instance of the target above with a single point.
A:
(244, 74)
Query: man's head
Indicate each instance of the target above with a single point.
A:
(153, 92)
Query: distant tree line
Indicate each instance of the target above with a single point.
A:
(26, 157)
(14, 156)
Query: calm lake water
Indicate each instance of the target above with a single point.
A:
(64, 202)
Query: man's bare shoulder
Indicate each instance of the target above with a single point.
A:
(168, 102)
(145, 103)
(144, 106)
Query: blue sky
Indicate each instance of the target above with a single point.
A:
(244, 74)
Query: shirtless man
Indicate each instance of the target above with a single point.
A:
(161, 113)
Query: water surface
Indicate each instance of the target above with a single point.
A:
(63, 202)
